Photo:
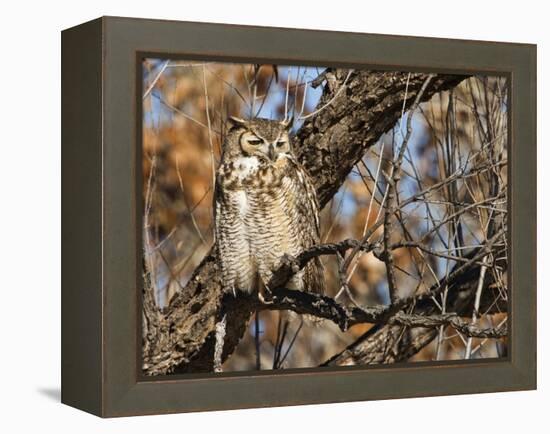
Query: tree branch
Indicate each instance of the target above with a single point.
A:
(345, 317)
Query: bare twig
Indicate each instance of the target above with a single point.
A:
(152, 85)
(193, 220)
(340, 89)
(291, 344)
(209, 127)
(257, 340)
(477, 300)
(220, 338)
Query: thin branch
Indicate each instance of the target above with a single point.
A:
(209, 127)
(257, 340)
(340, 89)
(182, 113)
(152, 85)
(220, 340)
(291, 344)
(193, 220)
(452, 320)
(477, 300)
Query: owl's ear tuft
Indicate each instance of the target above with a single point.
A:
(234, 121)
(288, 123)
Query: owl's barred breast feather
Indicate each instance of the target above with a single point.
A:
(263, 210)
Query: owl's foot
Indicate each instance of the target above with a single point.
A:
(263, 299)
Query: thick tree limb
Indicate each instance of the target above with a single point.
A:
(329, 144)
(345, 317)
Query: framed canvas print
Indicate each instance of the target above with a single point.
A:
(260, 216)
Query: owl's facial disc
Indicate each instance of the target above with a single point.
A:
(264, 139)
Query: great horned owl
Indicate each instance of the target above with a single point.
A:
(265, 207)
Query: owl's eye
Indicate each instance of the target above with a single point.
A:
(280, 143)
(254, 142)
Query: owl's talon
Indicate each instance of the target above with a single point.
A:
(263, 300)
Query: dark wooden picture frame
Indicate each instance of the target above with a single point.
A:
(101, 245)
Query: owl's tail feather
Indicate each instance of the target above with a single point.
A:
(314, 276)
(314, 280)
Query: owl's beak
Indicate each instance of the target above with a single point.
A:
(271, 153)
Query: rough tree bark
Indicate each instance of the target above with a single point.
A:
(356, 108)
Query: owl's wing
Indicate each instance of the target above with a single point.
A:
(232, 246)
(306, 207)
